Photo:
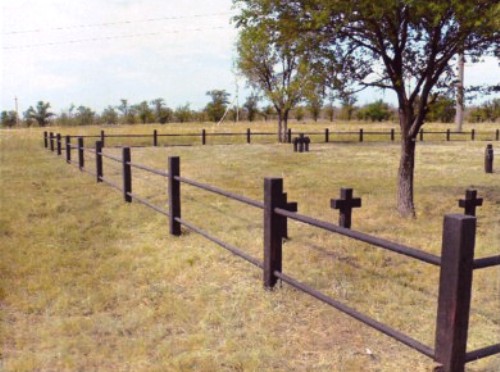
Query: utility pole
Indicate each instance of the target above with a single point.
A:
(237, 99)
(17, 111)
(459, 106)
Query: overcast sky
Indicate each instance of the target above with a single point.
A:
(96, 52)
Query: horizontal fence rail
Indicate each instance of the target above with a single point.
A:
(372, 240)
(216, 190)
(456, 263)
(328, 135)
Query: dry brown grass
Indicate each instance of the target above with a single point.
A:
(91, 283)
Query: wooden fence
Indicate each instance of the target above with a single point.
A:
(456, 263)
(326, 136)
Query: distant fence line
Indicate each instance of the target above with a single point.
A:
(326, 136)
(456, 263)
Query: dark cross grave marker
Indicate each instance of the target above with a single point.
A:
(470, 202)
(345, 205)
(301, 143)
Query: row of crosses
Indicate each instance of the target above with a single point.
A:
(346, 203)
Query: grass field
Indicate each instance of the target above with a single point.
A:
(89, 282)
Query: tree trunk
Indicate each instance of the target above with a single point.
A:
(280, 127)
(406, 170)
(285, 126)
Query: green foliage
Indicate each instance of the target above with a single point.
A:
(41, 114)
(375, 111)
(144, 112)
(347, 107)
(488, 111)
(8, 118)
(329, 111)
(109, 115)
(267, 112)
(128, 113)
(216, 109)
(183, 114)
(271, 54)
(162, 113)
(251, 107)
(84, 116)
(314, 104)
(299, 113)
(442, 109)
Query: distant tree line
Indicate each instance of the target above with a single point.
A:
(442, 110)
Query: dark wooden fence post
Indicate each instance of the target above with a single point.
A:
(81, 157)
(455, 283)
(472, 134)
(421, 134)
(45, 139)
(58, 143)
(248, 135)
(203, 137)
(98, 161)
(68, 149)
(488, 159)
(289, 135)
(103, 136)
(155, 138)
(448, 134)
(392, 135)
(51, 138)
(174, 195)
(127, 174)
(273, 230)
(327, 135)
(361, 135)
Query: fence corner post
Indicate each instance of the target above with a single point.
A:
(45, 139)
(103, 136)
(455, 285)
(327, 135)
(155, 138)
(98, 161)
(361, 135)
(248, 135)
(273, 193)
(203, 137)
(174, 195)
(127, 174)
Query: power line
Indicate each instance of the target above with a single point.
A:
(117, 23)
(106, 38)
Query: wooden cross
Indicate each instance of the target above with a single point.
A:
(470, 202)
(345, 205)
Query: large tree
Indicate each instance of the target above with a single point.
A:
(402, 45)
(40, 114)
(272, 56)
(218, 106)
(8, 118)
